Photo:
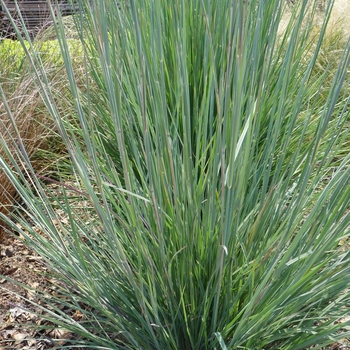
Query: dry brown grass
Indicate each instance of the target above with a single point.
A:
(28, 126)
(34, 127)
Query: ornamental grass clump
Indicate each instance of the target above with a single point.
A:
(214, 215)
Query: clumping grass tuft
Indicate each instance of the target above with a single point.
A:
(24, 120)
(209, 159)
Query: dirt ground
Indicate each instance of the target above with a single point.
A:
(17, 314)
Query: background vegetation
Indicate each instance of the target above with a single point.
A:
(24, 117)
(211, 152)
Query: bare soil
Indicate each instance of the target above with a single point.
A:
(21, 323)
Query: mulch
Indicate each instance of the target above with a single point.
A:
(22, 325)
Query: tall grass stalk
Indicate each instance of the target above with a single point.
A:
(213, 214)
